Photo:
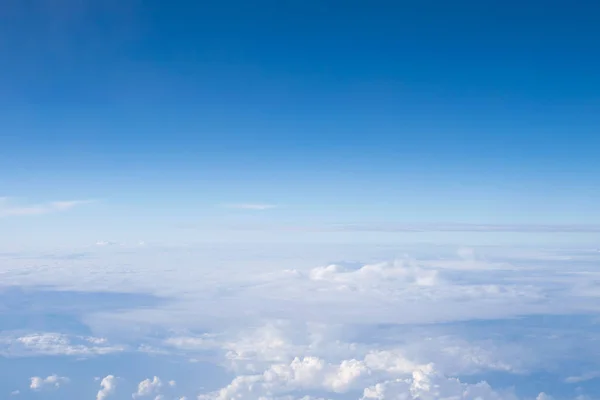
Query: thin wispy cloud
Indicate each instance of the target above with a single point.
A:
(464, 227)
(582, 378)
(104, 243)
(10, 208)
(251, 206)
(433, 227)
(419, 228)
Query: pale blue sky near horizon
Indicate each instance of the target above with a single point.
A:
(166, 114)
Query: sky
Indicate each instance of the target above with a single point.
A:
(335, 113)
(299, 200)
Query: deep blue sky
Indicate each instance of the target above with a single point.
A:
(420, 111)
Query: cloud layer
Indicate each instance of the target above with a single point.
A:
(279, 327)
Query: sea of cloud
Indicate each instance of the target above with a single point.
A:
(301, 322)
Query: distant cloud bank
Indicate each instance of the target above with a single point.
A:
(461, 227)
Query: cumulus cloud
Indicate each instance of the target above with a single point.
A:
(398, 271)
(426, 384)
(253, 350)
(148, 387)
(281, 365)
(50, 382)
(11, 209)
(306, 373)
(108, 387)
(544, 396)
(310, 373)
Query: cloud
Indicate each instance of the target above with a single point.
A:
(104, 243)
(544, 396)
(251, 206)
(148, 387)
(50, 382)
(311, 373)
(9, 209)
(311, 325)
(427, 384)
(431, 227)
(286, 360)
(398, 271)
(55, 344)
(108, 387)
(582, 378)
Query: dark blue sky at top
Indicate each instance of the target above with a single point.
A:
(280, 91)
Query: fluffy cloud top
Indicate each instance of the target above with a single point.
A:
(426, 384)
(50, 382)
(148, 387)
(108, 387)
(310, 373)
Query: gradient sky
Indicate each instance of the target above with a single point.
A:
(174, 113)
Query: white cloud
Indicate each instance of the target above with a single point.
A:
(462, 227)
(15, 393)
(427, 290)
(312, 326)
(103, 243)
(582, 378)
(423, 383)
(251, 206)
(466, 253)
(50, 382)
(10, 209)
(397, 271)
(290, 365)
(544, 396)
(268, 348)
(55, 344)
(426, 384)
(108, 387)
(148, 387)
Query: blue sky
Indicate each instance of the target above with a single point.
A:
(335, 112)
